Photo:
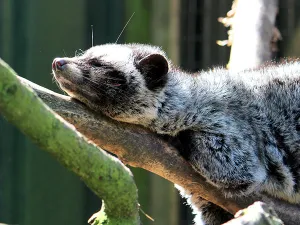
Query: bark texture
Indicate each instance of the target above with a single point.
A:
(141, 148)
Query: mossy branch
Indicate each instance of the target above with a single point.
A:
(104, 174)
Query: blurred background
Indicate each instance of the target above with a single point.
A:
(34, 188)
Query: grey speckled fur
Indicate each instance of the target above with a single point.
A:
(239, 130)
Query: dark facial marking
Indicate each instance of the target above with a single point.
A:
(95, 62)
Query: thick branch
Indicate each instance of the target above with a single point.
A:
(134, 145)
(104, 174)
(138, 147)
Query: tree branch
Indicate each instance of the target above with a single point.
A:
(134, 145)
(104, 174)
(141, 148)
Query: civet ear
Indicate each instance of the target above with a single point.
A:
(155, 68)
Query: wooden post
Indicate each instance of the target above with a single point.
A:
(252, 32)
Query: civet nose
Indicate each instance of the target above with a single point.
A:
(58, 64)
